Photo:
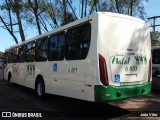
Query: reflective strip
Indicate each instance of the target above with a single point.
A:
(103, 95)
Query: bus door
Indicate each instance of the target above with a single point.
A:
(30, 64)
(12, 66)
(21, 64)
(15, 68)
(6, 65)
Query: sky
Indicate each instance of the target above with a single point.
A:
(152, 8)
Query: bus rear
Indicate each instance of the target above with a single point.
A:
(124, 57)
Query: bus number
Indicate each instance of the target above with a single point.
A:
(72, 70)
(131, 68)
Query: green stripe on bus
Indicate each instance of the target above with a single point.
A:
(105, 93)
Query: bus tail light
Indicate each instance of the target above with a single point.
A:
(103, 70)
(149, 70)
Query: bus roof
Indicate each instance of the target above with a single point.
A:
(120, 16)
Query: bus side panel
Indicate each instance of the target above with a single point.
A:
(92, 70)
(60, 80)
(73, 78)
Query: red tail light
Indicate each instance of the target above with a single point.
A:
(149, 69)
(103, 70)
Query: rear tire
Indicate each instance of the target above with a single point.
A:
(40, 88)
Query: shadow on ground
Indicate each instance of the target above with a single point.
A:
(21, 99)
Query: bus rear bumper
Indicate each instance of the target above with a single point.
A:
(108, 93)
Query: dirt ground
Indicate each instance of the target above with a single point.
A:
(20, 99)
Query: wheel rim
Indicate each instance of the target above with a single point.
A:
(39, 89)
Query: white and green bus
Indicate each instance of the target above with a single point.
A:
(105, 56)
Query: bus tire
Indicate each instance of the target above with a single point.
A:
(40, 88)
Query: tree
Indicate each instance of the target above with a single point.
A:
(34, 6)
(156, 38)
(128, 7)
(13, 6)
(8, 26)
(51, 11)
(8, 29)
(16, 5)
(67, 16)
(50, 14)
(65, 12)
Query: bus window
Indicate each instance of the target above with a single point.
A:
(78, 41)
(14, 54)
(9, 56)
(41, 50)
(22, 51)
(6, 57)
(156, 56)
(30, 52)
(56, 47)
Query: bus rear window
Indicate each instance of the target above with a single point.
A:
(78, 42)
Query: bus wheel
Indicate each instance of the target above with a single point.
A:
(40, 88)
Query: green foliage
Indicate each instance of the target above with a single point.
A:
(51, 14)
(128, 7)
(69, 17)
(157, 38)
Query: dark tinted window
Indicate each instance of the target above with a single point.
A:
(56, 47)
(6, 57)
(156, 56)
(30, 52)
(14, 54)
(9, 54)
(41, 50)
(78, 42)
(22, 52)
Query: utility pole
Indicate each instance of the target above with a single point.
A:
(153, 36)
(154, 22)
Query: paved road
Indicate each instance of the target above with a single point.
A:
(21, 100)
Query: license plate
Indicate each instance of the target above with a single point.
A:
(131, 92)
(129, 83)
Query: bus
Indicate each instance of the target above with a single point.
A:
(155, 67)
(102, 57)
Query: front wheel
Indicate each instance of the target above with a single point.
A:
(40, 88)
